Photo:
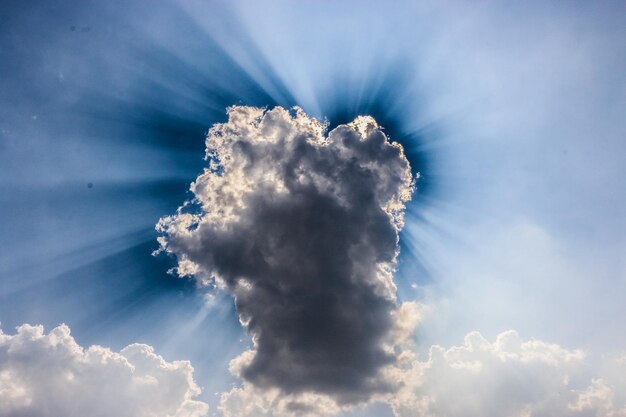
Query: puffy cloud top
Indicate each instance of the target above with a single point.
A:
(509, 377)
(302, 229)
(50, 375)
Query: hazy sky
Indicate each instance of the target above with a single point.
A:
(511, 115)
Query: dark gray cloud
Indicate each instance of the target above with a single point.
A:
(302, 230)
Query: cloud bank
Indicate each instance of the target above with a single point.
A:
(50, 375)
(509, 378)
(302, 229)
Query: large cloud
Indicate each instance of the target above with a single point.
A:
(302, 229)
(509, 378)
(50, 375)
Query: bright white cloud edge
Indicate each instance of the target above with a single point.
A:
(50, 375)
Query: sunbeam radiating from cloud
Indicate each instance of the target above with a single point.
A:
(512, 113)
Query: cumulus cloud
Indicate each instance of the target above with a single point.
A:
(50, 375)
(252, 401)
(302, 229)
(508, 378)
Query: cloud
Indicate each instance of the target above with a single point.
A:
(253, 401)
(302, 229)
(250, 401)
(508, 378)
(50, 375)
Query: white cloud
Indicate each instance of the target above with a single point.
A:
(251, 401)
(50, 375)
(507, 378)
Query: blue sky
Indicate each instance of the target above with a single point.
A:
(512, 113)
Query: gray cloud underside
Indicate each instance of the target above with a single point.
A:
(302, 230)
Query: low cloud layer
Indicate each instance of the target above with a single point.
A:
(302, 229)
(510, 378)
(50, 375)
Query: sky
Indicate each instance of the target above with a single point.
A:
(281, 208)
